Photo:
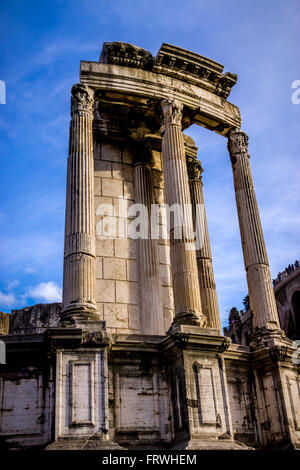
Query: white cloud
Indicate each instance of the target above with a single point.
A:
(29, 270)
(11, 285)
(46, 292)
(61, 47)
(7, 300)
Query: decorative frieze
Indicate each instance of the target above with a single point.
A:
(196, 69)
(126, 55)
(172, 61)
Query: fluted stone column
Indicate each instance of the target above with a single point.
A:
(209, 300)
(183, 259)
(79, 262)
(150, 289)
(261, 293)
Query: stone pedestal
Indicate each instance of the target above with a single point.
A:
(81, 388)
(79, 262)
(183, 257)
(198, 384)
(276, 387)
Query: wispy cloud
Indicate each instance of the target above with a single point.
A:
(45, 292)
(59, 48)
(7, 300)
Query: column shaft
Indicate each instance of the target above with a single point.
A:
(183, 259)
(150, 289)
(79, 260)
(261, 293)
(209, 300)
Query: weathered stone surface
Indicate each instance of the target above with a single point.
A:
(4, 323)
(173, 61)
(114, 268)
(26, 392)
(35, 319)
(112, 188)
(106, 290)
(128, 55)
(110, 152)
(80, 408)
(194, 68)
(125, 248)
(127, 292)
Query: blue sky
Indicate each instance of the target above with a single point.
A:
(42, 43)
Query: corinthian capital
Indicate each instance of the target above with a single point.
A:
(194, 169)
(172, 111)
(237, 142)
(82, 98)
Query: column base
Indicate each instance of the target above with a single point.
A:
(269, 337)
(79, 314)
(213, 444)
(188, 318)
(83, 444)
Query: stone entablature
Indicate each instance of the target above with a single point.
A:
(121, 78)
(174, 62)
(194, 68)
(126, 55)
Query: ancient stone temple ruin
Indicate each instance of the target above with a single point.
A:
(135, 357)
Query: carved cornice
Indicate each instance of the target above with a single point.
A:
(181, 340)
(172, 112)
(127, 55)
(194, 68)
(82, 99)
(278, 353)
(172, 61)
(194, 169)
(96, 338)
